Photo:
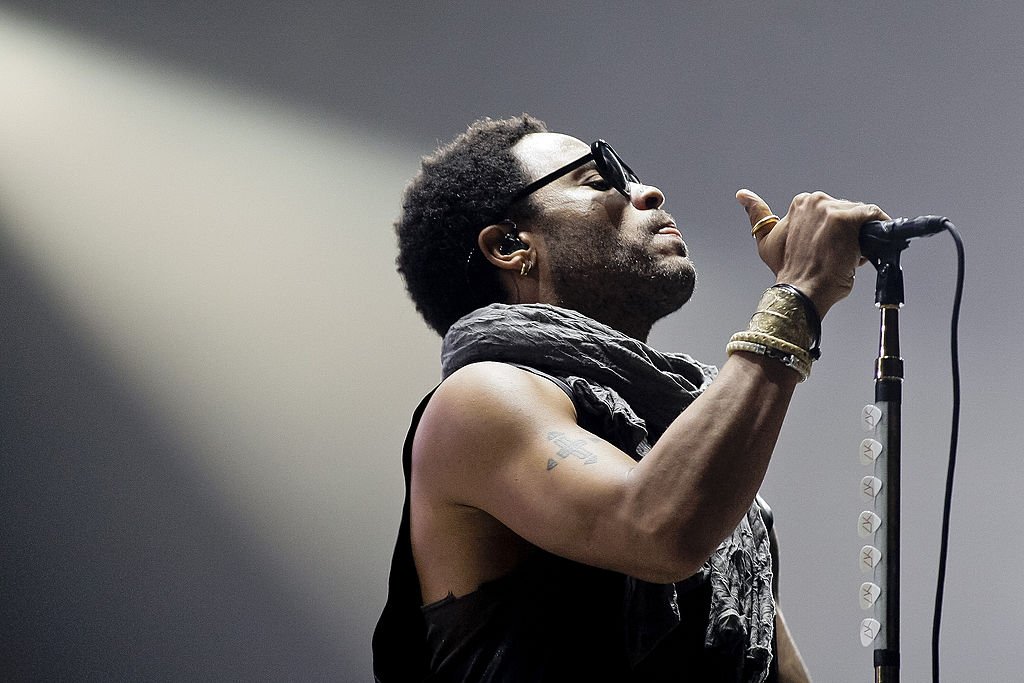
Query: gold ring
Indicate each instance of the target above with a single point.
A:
(770, 220)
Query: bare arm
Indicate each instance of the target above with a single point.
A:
(502, 440)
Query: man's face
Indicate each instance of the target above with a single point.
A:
(608, 256)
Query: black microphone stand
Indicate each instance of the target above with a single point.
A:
(884, 255)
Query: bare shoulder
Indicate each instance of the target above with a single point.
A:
(485, 395)
(481, 413)
(489, 376)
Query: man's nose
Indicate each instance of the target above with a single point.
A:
(645, 197)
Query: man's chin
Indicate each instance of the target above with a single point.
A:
(672, 292)
(684, 281)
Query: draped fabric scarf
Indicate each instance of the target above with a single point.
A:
(634, 392)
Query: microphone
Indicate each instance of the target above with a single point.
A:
(879, 234)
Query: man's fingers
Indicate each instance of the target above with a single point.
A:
(858, 214)
(762, 220)
(871, 212)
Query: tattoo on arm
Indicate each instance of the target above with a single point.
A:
(570, 447)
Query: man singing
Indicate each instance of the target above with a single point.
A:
(581, 506)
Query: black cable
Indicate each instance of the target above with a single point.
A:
(954, 435)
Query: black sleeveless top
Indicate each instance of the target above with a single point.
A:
(550, 619)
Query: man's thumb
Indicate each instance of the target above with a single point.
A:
(758, 211)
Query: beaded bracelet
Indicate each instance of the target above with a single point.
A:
(799, 362)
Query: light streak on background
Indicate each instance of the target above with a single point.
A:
(229, 263)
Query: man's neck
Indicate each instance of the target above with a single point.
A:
(635, 326)
(626, 319)
(637, 329)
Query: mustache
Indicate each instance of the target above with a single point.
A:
(659, 220)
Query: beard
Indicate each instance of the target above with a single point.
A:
(621, 281)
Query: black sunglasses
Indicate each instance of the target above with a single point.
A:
(610, 165)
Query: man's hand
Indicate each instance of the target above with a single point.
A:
(814, 247)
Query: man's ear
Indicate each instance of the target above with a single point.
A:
(505, 246)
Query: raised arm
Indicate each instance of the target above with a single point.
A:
(504, 441)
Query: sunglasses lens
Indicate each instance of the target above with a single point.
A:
(613, 169)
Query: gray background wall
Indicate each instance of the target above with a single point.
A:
(208, 362)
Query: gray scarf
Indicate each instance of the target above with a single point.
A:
(634, 392)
